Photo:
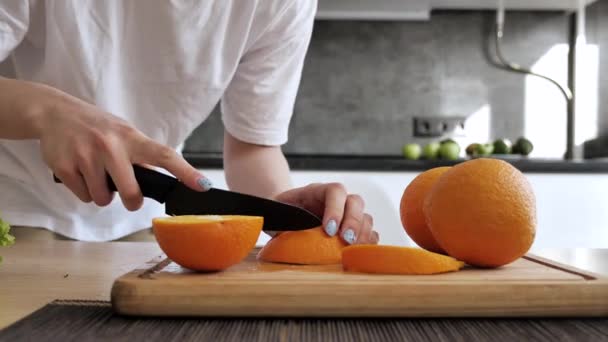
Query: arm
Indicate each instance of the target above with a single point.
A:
(263, 171)
(20, 118)
(255, 169)
(80, 142)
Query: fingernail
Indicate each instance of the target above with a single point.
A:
(205, 183)
(349, 236)
(375, 237)
(331, 228)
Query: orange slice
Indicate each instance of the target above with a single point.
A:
(207, 242)
(304, 247)
(396, 260)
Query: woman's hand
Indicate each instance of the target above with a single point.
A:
(80, 143)
(342, 213)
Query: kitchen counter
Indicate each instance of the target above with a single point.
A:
(34, 273)
(396, 163)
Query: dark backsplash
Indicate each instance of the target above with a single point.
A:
(363, 82)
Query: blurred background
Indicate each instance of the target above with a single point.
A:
(386, 84)
(365, 82)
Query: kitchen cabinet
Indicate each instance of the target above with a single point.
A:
(531, 5)
(421, 9)
(572, 208)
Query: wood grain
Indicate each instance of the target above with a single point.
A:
(34, 273)
(529, 287)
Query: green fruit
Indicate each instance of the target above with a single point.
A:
(431, 150)
(449, 151)
(523, 146)
(472, 149)
(502, 146)
(485, 149)
(412, 151)
(447, 140)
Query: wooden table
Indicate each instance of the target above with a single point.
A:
(35, 273)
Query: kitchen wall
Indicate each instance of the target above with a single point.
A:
(363, 82)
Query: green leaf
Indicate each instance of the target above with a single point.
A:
(6, 239)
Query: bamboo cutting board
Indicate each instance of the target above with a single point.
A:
(531, 286)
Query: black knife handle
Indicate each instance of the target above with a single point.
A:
(153, 184)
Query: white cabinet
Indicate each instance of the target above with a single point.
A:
(421, 9)
(374, 10)
(572, 208)
(532, 5)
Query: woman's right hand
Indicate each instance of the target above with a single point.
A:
(80, 143)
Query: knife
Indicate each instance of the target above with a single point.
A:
(181, 200)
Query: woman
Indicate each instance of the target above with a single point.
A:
(91, 87)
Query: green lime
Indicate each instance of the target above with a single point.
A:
(449, 151)
(523, 146)
(431, 150)
(471, 150)
(485, 149)
(412, 151)
(447, 141)
(502, 146)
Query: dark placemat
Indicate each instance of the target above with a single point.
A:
(95, 321)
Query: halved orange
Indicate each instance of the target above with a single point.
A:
(305, 247)
(207, 242)
(384, 259)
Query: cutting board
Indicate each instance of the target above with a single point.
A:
(531, 286)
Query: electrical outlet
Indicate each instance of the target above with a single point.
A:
(436, 126)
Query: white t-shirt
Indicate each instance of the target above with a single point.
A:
(162, 66)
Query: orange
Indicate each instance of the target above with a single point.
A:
(412, 215)
(207, 242)
(482, 212)
(396, 260)
(305, 247)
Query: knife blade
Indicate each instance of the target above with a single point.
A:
(181, 200)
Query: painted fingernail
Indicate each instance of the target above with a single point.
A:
(349, 236)
(375, 237)
(331, 228)
(205, 183)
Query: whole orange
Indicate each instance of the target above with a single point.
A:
(411, 209)
(482, 212)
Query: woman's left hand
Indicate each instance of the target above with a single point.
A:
(342, 213)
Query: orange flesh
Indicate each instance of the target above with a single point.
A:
(305, 247)
(207, 242)
(396, 260)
